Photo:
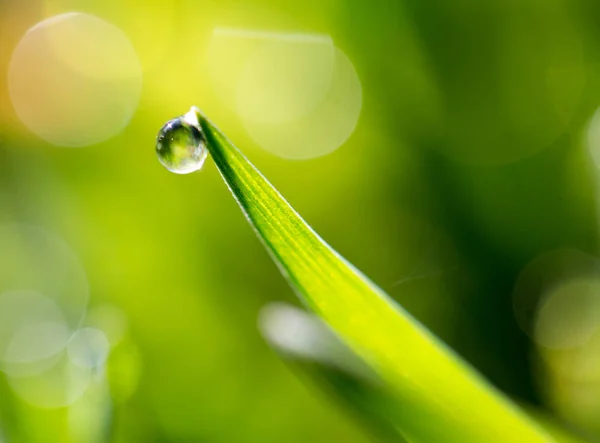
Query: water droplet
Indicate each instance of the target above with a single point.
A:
(181, 146)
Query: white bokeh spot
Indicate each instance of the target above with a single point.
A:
(88, 348)
(297, 95)
(75, 80)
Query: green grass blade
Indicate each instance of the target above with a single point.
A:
(312, 350)
(443, 398)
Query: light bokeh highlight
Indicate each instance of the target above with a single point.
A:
(61, 385)
(38, 260)
(32, 331)
(74, 80)
(321, 131)
(297, 95)
(569, 314)
(88, 348)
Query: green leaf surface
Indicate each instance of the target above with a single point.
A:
(442, 398)
(311, 349)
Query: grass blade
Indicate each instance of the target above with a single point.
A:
(443, 399)
(312, 350)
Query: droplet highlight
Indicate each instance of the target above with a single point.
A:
(181, 146)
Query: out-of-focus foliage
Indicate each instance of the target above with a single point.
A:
(465, 185)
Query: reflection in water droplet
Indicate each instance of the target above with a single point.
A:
(181, 146)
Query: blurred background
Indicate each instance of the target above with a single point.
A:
(450, 150)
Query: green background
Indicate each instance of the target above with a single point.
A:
(470, 158)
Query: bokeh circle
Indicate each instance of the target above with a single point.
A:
(75, 80)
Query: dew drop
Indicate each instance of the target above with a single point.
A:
(181, 146)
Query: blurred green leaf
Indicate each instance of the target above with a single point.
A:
(310, 348)
(441, 397)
